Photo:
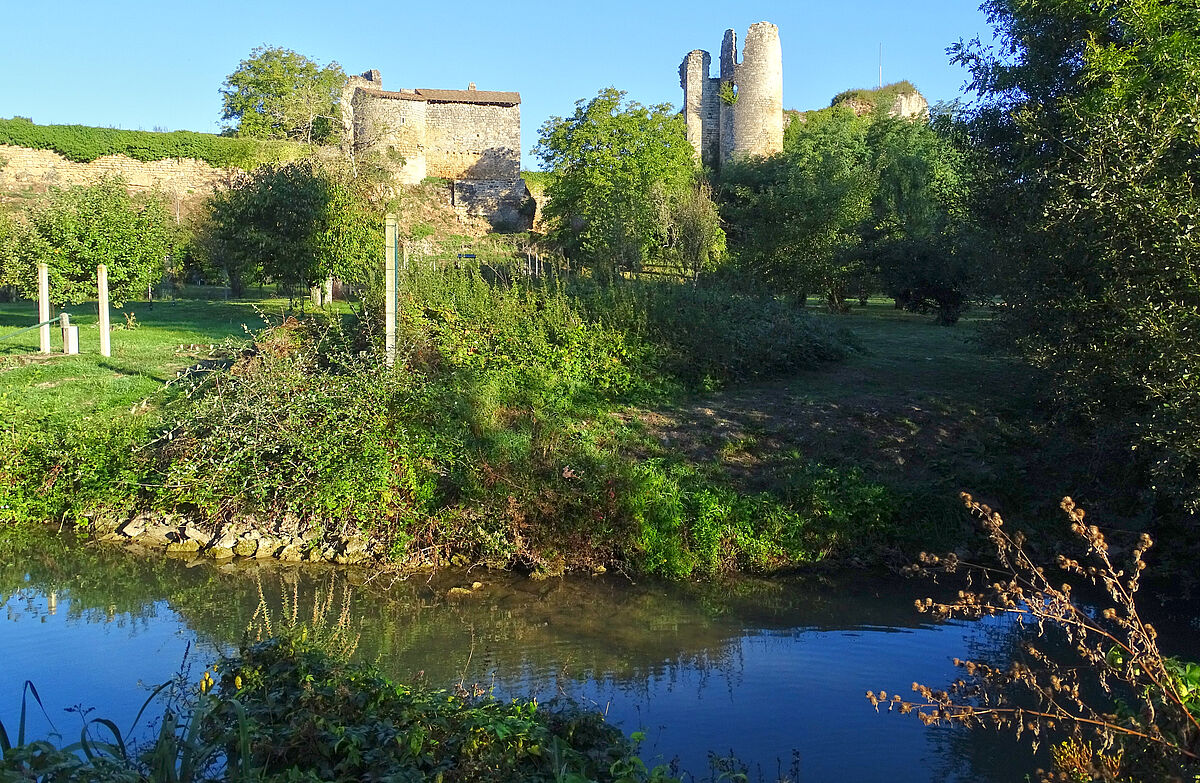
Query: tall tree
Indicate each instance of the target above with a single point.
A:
(1089, 113)
(276, 93)
(616, 165)
(922, 239)
(795, 218)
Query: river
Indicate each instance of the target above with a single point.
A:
(772, 672)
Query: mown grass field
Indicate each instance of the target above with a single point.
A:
(168, 336)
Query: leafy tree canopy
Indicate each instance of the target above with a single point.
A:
(295, 225)
(795, 217)
(76, 229)
(276, 93)
(1088, 115)
(618, 166)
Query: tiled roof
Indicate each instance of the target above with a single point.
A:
(472, 96)
(404, 95)
(450, 96)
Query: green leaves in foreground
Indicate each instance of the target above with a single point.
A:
(285, 712)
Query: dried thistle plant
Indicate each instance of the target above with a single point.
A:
(1145, 713)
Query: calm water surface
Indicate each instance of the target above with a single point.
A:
(774, 673)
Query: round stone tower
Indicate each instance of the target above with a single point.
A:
(751, 94)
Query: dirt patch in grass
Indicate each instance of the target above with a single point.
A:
(921, 408)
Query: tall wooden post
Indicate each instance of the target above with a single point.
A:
(102, 303)
(44, 307)
(389, 290)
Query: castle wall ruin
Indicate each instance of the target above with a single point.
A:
(740, 112)
(471, 137)
(183, 180)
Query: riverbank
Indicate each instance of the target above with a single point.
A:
(538, 429)
(496, 440)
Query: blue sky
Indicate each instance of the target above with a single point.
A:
(160, 64)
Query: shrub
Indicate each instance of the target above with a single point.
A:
(78, 228)
(284, 711)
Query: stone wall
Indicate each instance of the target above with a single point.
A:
(473, 141)
(182, 179)
(499, 201)
(395, 124)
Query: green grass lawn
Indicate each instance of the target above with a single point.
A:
(169, 336)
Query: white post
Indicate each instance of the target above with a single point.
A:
(102, 303)
(70, 334)
(389, 290)
(44, 307)
(329, 290)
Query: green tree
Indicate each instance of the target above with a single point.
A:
(697, 238)
(78, 228)
(922, 241)
(276, 93)
(1089, 116)
(618, 167)
(295, 225)
(795, 218)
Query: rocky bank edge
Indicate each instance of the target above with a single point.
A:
(287, 540)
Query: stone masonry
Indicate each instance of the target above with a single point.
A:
(471, 137)
(182, 179)
(740, 112)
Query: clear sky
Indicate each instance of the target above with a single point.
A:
(160, 64)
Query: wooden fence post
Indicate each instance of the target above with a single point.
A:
(389, 290)
(44, 307)
(102, 304)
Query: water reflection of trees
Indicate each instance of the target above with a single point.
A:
(981, 753)
(589, 638)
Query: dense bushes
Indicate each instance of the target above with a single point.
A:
(75, 229)
(84, 144)
(283, 710)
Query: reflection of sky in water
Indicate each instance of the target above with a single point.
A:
(88, 657)
(752, 678)
(800, 690)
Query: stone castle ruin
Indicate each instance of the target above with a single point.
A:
(740, 112)
(471, 137)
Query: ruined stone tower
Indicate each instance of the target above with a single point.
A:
(740, 112)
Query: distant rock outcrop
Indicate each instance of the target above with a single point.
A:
(901, 99)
